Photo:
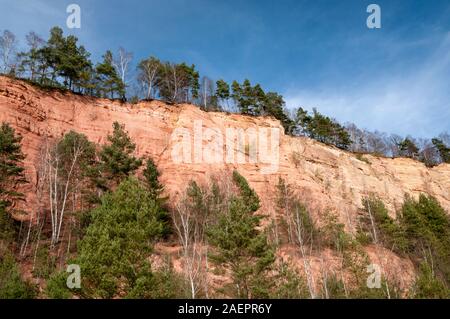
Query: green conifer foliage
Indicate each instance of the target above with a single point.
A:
(239, 245)
(113, 253)
(116, 160)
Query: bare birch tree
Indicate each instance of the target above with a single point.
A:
(173, 82)
(178, 83)
(300, 228)
(122, 62)
(207, 95)
(190, 237)
(63, 174)
(193, 214)
(8, 45)
(30, 59)
(148, 72)
(304, 236)
(324, 271)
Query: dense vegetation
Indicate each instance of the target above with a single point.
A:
(60, 62)
(120, 237)
(11, 174)
(421, 232)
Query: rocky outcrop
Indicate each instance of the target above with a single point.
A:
(326, 178)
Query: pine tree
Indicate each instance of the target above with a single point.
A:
(155, 189)
(274, 106)
(322, 128)
(108, 81)
(408, 148)
(59, 57)
(11, 166)
(382, 228)
(257, 98)
(443, 150)
(116, 158)
(52, 54)
(222, 91)
(247, 97)
(193, 83)
(11, 177)
(151, 179)
(252, 100)
(428, 286)
(7, 228)
(239, 245)
(427, 228)
(247, 193)
(12, 286)
(113, 253)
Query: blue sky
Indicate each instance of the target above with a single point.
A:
(316, 53)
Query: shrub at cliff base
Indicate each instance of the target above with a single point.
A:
(113, 254)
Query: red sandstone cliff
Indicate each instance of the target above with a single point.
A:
(328, 177)
(325, 177)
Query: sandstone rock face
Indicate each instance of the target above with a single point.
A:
(325, 177)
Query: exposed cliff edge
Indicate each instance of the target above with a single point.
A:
(326, 178)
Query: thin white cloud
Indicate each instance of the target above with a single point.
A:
(415, 101)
